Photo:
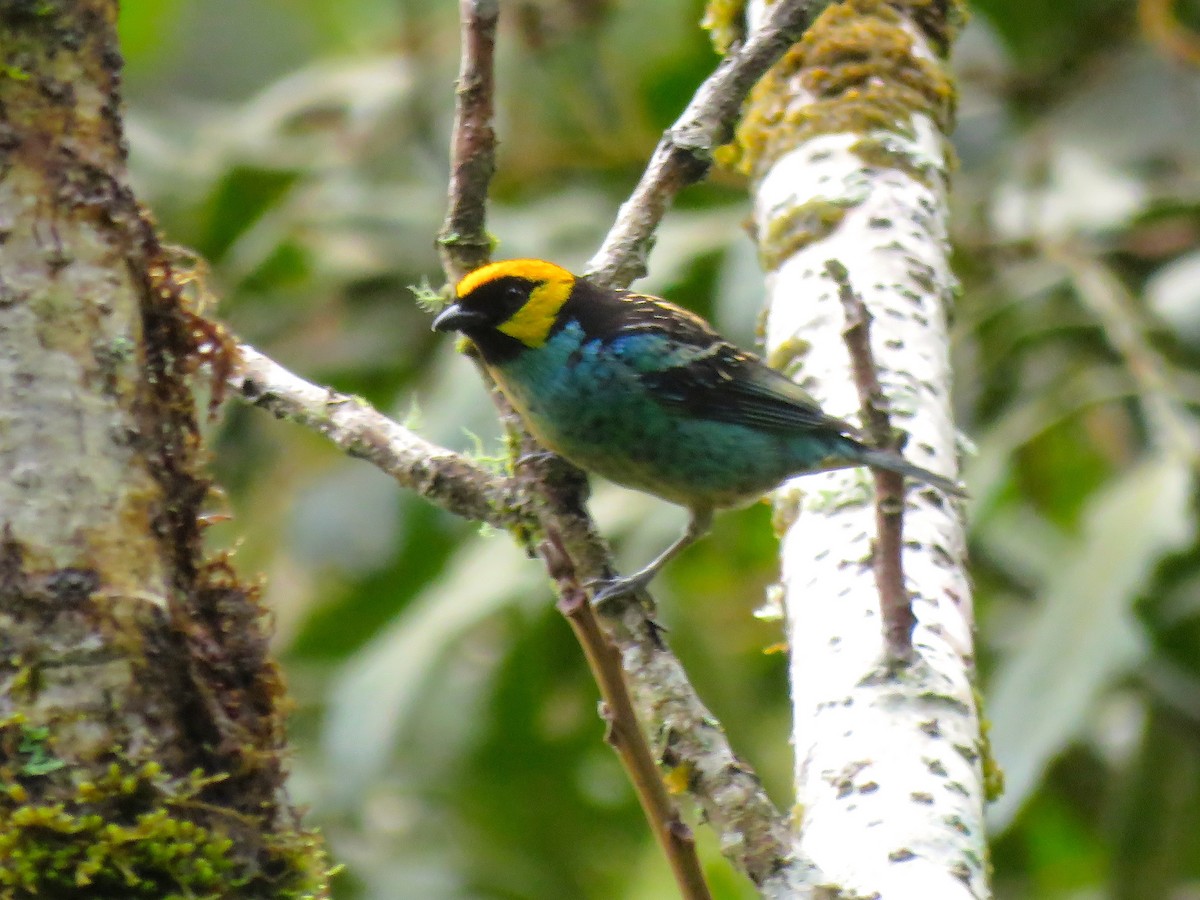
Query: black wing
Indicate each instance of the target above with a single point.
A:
(726, 384)
(701, 373)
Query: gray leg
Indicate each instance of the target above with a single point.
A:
(699, 522)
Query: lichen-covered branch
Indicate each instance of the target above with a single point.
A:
(698, 758)
(441, 476)
(684, 153)
(845, 140)
(688, 741)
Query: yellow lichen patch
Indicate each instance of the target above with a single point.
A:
(855, 71)
(788, 234)
(724, 20)
(677, 779)
(993, 774)
(788, 355)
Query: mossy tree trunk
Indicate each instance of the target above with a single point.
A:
(140, 733)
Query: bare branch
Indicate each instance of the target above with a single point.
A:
(895, 606)
(463, 244)
(1109, 301)
(684, 153)
(692, 745)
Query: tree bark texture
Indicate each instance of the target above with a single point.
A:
(140, 729)
(846, 142)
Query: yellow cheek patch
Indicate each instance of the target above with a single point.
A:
(532, 323)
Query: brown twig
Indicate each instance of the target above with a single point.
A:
(895, 606)
(1170, 36)
(684, 153)
(624, 732)
(463, 244)
(750, 830)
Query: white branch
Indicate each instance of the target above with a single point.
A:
(442, 476)
(889, 778)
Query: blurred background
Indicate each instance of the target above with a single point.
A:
(445, 729)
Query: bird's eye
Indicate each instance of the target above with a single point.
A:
(515, 294)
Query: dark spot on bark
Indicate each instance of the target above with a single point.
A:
(72, 587)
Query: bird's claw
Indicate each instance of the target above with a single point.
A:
(534, 457)
(609, 590)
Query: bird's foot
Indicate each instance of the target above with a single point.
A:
(534, 457)
(608, 591)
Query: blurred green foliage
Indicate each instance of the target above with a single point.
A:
(446, 737)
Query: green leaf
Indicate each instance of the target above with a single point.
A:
(1085, 635)
(377, 696)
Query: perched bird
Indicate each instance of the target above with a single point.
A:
(648, 395)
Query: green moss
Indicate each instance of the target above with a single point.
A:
(993, 775)
(882, 153)
(133, 833)
(855, 71)
(33, 745)
(133, 848)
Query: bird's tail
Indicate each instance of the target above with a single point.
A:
(893, 462)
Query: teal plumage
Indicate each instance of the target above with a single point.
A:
(587, 399)
(648, 395)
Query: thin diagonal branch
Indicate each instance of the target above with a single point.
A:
(684, 153)
(728, 791)
(624, 733)
(1109, 301)
(689, 741)
(895, 606)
